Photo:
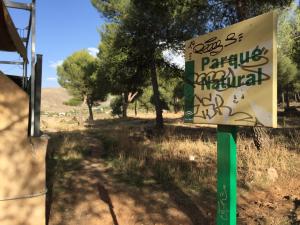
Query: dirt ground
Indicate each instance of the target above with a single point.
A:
(90, 195)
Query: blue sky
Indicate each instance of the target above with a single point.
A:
(63, 27)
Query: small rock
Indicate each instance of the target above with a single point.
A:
(192, 157)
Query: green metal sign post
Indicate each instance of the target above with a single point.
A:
(227, 175)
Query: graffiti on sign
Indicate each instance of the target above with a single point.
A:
(223, 203)
(232, 79)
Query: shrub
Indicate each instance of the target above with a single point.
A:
(73, 102)
(116, 106)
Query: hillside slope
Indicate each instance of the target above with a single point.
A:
(53, 99)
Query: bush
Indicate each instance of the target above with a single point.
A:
(116, 106)
(73, 102)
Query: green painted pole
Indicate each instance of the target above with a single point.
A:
(227, 170)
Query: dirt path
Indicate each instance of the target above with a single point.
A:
(90, 195)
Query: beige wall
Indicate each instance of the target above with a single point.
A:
(22, 160)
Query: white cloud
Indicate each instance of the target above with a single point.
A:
(51, 78)
(55, 64)
(174, 57)
(93, 51)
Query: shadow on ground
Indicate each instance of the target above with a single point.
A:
(83, 186)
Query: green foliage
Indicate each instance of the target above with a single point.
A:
(288, 49)
(222, 13)
(288, 30)
(145, 29)
(116, 106)
(124, 76)
(166, 90)
(178, 96)
(178, 91)
(171, 92)
(73, 102)
(79, 75)
(287, 71)
(144, 99)
(112, 9)
(163, 102)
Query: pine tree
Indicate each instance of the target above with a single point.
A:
(78, 74)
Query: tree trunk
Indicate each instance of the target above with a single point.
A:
(283, 101)
(81, 110)
(89, 103)
(135, 108)
(174, 104)
(124, 111)
(158, 108)
(287, 97)
(124, 104)
(261, 137)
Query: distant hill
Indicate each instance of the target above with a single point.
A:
(53, 99)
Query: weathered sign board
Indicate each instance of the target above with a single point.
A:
(232, 75)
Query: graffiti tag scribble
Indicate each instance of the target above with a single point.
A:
(210, 107)
(213, 45)
(222, 203)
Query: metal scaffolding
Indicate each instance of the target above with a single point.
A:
(23, 42)
(31, 30)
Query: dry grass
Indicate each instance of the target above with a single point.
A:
(190, 155)
(193, 162)
(277, 153)
(185, 157)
